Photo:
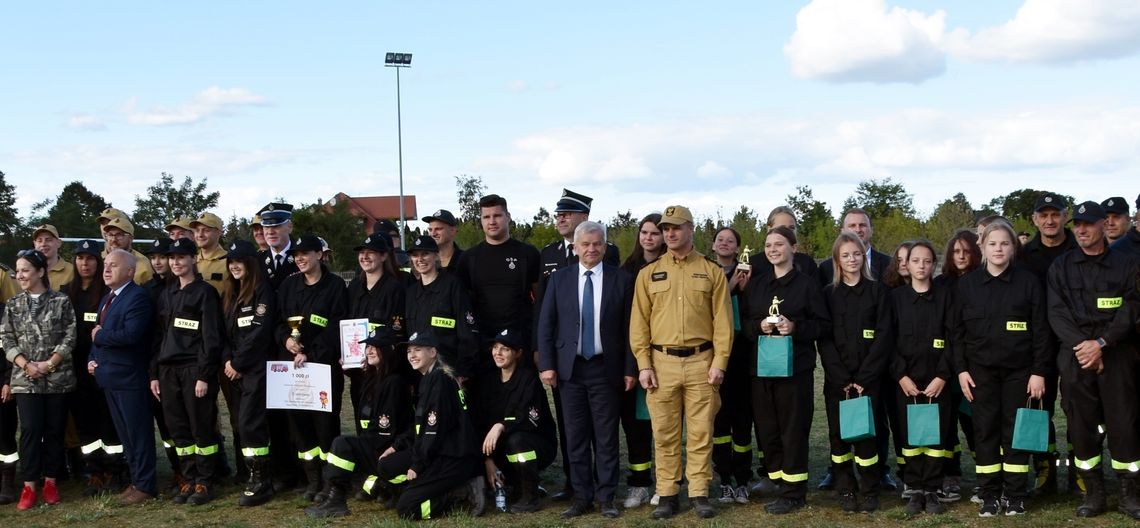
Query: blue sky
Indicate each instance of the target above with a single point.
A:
(638, 105)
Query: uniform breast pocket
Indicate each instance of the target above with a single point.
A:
(974, 319)
(697, 292)
(658, 288)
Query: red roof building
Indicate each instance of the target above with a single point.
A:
(375, 208)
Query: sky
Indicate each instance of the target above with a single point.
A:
(637, 104)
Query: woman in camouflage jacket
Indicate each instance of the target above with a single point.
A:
(38, 333)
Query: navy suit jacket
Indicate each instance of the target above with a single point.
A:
(559, 323)
(122, 347)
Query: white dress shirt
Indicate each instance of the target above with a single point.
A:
(596, 279)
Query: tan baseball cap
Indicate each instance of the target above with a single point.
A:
(182, 222)
(676, 215)
(121, 223)
(256, 220)
(208, 220)
(110, 213)
(46, 228)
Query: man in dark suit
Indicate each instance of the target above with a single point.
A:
(583, 349)
(859, 222)
(277, 227)
(120, 360)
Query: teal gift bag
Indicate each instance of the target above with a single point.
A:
(735, 314)
(922, 427)
(774, 357)
(1031, 429)
(642, 412)
(856, 421)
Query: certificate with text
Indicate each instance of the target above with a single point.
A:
(352, 332)
(308, 388)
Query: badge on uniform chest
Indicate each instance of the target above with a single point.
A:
(659, 276)
(511, 262)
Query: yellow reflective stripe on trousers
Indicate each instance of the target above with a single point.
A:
(399, 479)
(864, 462)
(311, 454)
(208, 450)
(425, 509)
(255, 451)
(795, 477)
(185, 451)
(987, 469)
(525, 456)
(91, 448)
(777, 475)
(718, 440)
(369, 483)
(741, 449)
(1125, 466)
(113, 449)
(641, 467)
(912, 451)
(937, 453)
(339, 462)
(1089, 464)
(10, 458)
(1015, 468)
(839, 459)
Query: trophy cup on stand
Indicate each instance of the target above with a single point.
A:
(742, 260)
(295, 324)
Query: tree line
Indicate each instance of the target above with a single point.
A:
(891, 207)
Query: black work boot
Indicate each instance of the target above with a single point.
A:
(667, 507)
(259, 489)
(334, 504)
(1095, 503)
(8, 489)
(1130, 497)
(528, 491)
(313, 475)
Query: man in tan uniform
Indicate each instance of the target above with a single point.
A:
(681, 334)
(119, 234)
(46, 240)
(180, 228)
(211, 255)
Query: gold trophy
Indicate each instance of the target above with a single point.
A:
(774, 311)
(742, 260)
(295, 324)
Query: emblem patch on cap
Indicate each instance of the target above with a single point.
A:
(504, 332)
(1081, 210)
(87, 245)
(233, 247)
(1048, 199)
(670, 210)
(1109, 203)
(438, 212)
(414, 336)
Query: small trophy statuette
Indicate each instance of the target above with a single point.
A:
(295, 324)
(742, 260)
(774, 311)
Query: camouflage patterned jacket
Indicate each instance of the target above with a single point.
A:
(36, 329)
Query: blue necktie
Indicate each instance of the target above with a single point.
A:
(588, 318)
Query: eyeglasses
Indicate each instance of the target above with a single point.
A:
(116, 236)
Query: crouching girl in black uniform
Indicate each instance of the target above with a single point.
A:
(444, 451)
(520, 438)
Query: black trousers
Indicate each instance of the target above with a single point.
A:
(9, 451)
(252, 422)
(353, 455)
(98, 440)
(522, 455)
(963, 421)
(997, 396)
(231, 391)
(42, 418)
(314, 431)
(560, 420)
(926, 465)
(429, 494)
(1107, 399)
(887, 429)
(732, 428)
(590, 406)
(192, 420)
(782, 410)
(163, 433)
(638, 441)
(131, 410)
(282, 454)
(845, 456)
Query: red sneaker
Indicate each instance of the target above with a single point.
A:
(27, 498)
(51, 493)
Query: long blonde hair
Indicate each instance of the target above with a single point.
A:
(843, 238)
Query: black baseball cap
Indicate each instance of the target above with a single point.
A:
(160, 246)
(381, 336)
(385, 226)
(424, 338)
(1089, 211)
(424, 243)
(89, 247)
(511, 338)
(307, 242)
(442, 215)
(1049, 200)
(376, 242)
(241, 249)
(1116, 204)
(182, 246)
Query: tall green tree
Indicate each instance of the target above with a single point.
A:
(11, 229)
(237, 228)
(73, 212)
(164, 201)
(747, 223)
(881, 198)
(817, 227)
(468, 191)
(335, 223)
(950, 216)
(1019, 203)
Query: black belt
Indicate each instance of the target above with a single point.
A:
(683, 351)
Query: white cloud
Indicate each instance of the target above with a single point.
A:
(712, 169)
(1056, 31)
(517, 86)
(213, 101)
(86, 122)
(863, 40)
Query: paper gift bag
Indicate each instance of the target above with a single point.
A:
(642, 412)
(1031, 430)
(922, 427)
(856, 421)
(774, 357)
(735, 314)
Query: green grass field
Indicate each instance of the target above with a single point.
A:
(285, 511)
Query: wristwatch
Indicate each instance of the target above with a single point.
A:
(1101, 342)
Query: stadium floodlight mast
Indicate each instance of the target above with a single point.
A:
(399, 60)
